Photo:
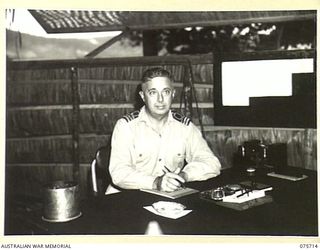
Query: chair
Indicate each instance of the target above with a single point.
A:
(99, 177)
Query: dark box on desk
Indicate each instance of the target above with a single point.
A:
(277, 155)
(254, 152)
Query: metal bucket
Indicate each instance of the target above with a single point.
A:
(61, 201)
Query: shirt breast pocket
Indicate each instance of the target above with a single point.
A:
(142, 156)
(179, 160)
(142, 153)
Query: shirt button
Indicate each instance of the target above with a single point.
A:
(140, 155)
(160, 159)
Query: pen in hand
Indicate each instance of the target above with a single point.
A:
(169, 171)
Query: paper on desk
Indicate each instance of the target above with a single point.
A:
(255, 194)
(168, 214)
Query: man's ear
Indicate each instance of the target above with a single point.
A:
(141, 95)
(173, 93)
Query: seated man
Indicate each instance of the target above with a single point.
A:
(149, 146)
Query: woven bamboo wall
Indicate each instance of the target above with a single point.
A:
(40, 126)
(40, 123)
(301, 143)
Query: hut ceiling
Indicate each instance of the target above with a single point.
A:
(67, 21)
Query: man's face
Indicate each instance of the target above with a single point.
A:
(157, 95)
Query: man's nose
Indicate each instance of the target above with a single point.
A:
(160, 97)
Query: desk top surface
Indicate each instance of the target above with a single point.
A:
(293, 212)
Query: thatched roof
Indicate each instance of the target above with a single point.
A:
(63, 21)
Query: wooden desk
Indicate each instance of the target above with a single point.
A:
(292, 213)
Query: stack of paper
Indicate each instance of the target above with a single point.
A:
(240, 197)
(174, 194)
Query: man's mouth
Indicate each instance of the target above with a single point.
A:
(160, 106)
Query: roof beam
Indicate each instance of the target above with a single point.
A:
(62, 21)
(105, 45)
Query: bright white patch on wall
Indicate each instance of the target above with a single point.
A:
(244, 79)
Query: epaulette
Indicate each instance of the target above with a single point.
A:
(181, 118)
(133, 115)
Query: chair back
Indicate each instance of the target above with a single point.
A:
(99, 177)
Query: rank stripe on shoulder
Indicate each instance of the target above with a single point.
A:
(133, 115)
(181, 118)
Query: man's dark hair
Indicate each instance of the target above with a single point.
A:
(155, 72)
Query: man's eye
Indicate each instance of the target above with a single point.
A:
(167, 92)
(152, 93)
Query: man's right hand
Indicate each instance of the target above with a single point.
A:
(169, 182)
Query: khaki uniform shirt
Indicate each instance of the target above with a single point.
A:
(139, 153)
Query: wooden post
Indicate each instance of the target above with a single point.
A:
(187, 95)
(75, 122)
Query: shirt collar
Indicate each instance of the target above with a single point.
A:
(143, 116)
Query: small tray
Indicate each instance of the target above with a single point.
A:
(240, 206)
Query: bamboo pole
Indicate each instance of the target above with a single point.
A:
(63, 165)
(40, 107)
(75, 121)
(133, 82)
(102, 82)
(97, 106)
(114, 62)
(38, 82)
(51, 137)
(206, 128)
